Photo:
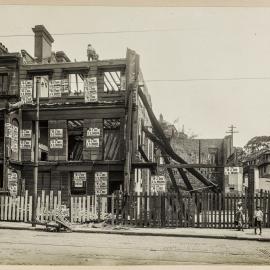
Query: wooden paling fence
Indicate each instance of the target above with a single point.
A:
(201, 210)
(16, 208)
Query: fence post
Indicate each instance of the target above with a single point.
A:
(99, 206)
(112, 209)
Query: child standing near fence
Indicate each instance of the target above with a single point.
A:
(258, 219)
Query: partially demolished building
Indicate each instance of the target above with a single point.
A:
(89, 120)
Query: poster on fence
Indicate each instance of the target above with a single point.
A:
(158, 184)
(90, 89)
(56, 143)
(93, 132)
(79, 178)
(101, 183)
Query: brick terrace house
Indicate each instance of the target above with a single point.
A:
(84, 132)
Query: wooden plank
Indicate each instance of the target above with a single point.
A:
(235, 199)
(51, 206)
(83, 209)
(88, 208)
(9, 207)
(47, 206)
(6, 208)
(2, 207)
(22, 209)
(42, 208)
(30, 209)
(54, 207)
(219, 210)
(231, 210)
(80, 209)
(59, 201)
(268, 209)
(211, 209)
(17, 209)
(25, 205)
(71, 209)
(38, 208)
(12, 201)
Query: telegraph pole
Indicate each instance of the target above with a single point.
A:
(36, 154)
(232, 131)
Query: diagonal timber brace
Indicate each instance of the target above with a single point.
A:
(167, 147)
(154, 139)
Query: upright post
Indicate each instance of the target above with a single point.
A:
(34, 202)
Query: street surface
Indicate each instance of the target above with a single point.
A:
(43, 248)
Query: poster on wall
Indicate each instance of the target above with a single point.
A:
(79, 178)
(55, 88)
(90, 89)
(93, 132)
(8, 130)
(56, 143)
(158, 184)
(12, 183)
(26, 91)
(56, 133)
(25, 144)
(92, 143)
(101, 183)
(65, 86)
(26, 134)
(231, 170)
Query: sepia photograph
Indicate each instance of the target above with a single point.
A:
(134, 135)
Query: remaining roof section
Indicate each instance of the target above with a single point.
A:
(3, 49)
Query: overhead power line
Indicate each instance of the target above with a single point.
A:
(210, 79)
(97, 33)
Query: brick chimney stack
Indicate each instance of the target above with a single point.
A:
(43, 43)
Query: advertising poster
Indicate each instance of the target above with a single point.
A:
(79, 178)
(231, 170)
(26, 91)
(25, 144)
(56, 133)
(56, 143)
(92, 143)
(12, 183)
(90, 89)
(26, 134)
(158, 184)
(93, 132)
(101, 183)
(55, 88)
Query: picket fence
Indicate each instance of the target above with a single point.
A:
(201, 210)
(49, 205)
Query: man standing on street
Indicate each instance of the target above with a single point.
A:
(258, 220)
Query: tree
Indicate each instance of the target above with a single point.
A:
(257, 144)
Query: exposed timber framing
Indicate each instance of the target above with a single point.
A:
(167, 147)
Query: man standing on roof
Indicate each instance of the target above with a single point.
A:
(91, 53)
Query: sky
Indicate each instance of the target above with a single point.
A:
(207, 67)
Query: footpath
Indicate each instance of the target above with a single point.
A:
(213, 233)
